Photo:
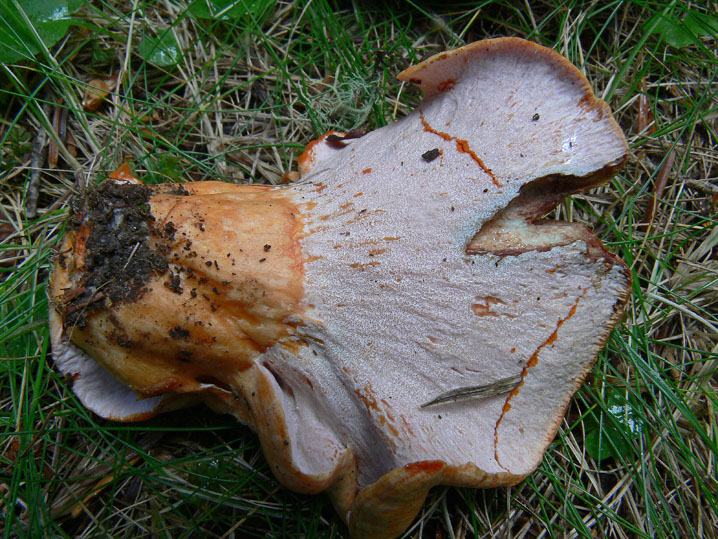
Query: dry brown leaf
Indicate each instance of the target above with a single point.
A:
(645, 114)
(59, 125)
(71, 145)
(124, 173)
(678, 93)
(659, 185)
(96, 92)
(290, 176)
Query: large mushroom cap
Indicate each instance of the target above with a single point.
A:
(406, 268)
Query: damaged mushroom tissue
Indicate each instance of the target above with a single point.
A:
(398, 318)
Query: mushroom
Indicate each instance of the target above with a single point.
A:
(398, 318)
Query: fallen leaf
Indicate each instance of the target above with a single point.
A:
(71, 145)
(124, 173)
(96, 92)
(59, 125)
(659, 185)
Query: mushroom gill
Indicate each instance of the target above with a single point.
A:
(398, 318)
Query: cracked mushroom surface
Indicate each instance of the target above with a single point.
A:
(396, 319)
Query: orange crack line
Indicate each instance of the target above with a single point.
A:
(532, 362)
(462, 146)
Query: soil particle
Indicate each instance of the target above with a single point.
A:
(170, 231)
(124, 341)
(116, 221)
(430, 155)
(179, 333)
(174, 283)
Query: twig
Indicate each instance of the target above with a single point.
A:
(131, 255)
(36, 159)
(704, 187)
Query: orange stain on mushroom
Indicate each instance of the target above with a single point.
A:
(462, 146)
(589, 103)
(532, 362)
(424, 467)
(306, 159)
(448, 84)
(484, 309)
(382, 413)
(362, 266)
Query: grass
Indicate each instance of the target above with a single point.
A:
(636, 455)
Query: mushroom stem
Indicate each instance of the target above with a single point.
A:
(186, 292)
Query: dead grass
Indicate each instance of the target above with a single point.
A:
(239, 106)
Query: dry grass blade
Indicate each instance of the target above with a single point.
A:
(645, 114)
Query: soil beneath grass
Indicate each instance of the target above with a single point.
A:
(124, 248)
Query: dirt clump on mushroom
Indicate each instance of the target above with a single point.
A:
(120, 235)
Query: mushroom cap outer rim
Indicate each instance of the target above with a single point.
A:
(386, 508)
(309, 156)
(423, 75)
(596, 252)
(619, 309)
(265, 413)
(427, 77)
